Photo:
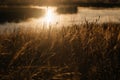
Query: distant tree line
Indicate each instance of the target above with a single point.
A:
(39, 2)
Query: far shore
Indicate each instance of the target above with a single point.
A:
(106, 5)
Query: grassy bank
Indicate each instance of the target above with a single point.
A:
(80, 52)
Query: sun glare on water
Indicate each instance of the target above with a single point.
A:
(49, 17)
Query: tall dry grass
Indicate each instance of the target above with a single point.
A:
(78, 52)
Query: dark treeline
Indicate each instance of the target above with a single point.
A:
(41, 3)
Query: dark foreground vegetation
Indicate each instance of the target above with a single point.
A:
(80, 52)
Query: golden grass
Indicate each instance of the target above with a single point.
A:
(79, 52)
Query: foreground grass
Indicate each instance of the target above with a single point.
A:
(80, 52)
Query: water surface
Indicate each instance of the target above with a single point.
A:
(45, 16)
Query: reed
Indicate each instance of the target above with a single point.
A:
(79, 52)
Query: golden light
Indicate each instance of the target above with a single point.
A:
(49, 16)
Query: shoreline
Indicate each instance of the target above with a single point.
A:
(104, 5)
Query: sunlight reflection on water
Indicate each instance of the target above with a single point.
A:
(106, 15)
(49, 16)
(52, 18)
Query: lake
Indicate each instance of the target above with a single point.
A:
(62, 15)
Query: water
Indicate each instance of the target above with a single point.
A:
(45, 16)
